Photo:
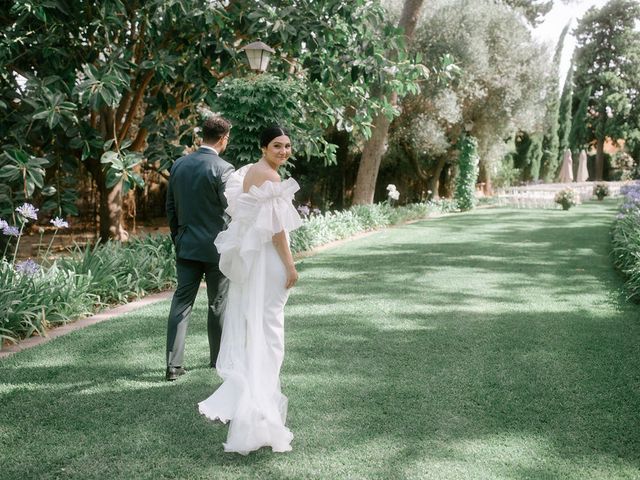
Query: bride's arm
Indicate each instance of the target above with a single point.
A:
(281, 244)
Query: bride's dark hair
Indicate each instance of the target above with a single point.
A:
(270, 133)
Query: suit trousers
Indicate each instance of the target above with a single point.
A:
(190, 273)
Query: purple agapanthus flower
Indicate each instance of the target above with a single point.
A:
(28, 211)
(59, 223)
(11, 231)
(3, 224)
(632, 190)
(303, 210)
(28, 267)
(316, 211)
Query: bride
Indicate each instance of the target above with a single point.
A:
(255, 256)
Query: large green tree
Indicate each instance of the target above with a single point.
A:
(528, 155)
(580, 133)
(116, 87)
(533, 10)
(496, 92)
(607, 62)
(97, 84)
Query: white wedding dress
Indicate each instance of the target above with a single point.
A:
(252, 347)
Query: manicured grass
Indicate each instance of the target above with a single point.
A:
(492, 344)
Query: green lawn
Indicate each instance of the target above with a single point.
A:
(493, 344)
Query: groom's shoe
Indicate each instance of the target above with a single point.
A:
(174, 372)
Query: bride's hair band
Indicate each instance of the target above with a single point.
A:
(270, 133)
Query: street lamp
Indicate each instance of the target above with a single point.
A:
(258, 54)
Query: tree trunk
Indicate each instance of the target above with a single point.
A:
(110, 204)
(374, 148)
(599, 158)
(434, 181)
(111, 224)
(485, 178)
(447, 180)
(413, 159)
(370, 161)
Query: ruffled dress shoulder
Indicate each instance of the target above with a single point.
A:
(256, 216)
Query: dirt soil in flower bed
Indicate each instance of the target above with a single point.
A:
(80, 233)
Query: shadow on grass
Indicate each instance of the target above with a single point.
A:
(476, 346)
(94, 404)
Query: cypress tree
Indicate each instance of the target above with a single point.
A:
(520, 159)
(564, 127)
(528, 156)
(549, 144)
(579, 134)
(465, 192)
(534, 157)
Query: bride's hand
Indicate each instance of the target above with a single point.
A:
(292, 277)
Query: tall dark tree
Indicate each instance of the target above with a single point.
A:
(564, 116)
(528, 156)
(533, 10)
(579, 136)
(607, 62)
(550, 139)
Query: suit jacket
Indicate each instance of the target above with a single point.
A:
(196, 204)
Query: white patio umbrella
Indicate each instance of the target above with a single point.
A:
(583, 172)
(566, 172)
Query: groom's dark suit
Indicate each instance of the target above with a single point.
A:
(195, 209)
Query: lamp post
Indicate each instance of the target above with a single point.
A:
(259, 55)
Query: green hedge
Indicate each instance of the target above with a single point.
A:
(319, 230)
(625, 239)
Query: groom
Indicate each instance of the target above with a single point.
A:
(195, 209)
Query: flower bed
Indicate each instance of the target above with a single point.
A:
(625, 239)
(34, 297)
(320, 229)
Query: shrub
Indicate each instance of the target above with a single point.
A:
(601, 190)
(625, 240)
(623, 167)
(33, 300)
(320, 229)
(119, 272)
(253, 102)
(567, 198)
(33, 297)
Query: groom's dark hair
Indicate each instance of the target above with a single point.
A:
(214, 128)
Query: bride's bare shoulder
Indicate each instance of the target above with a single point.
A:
(257, 174)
